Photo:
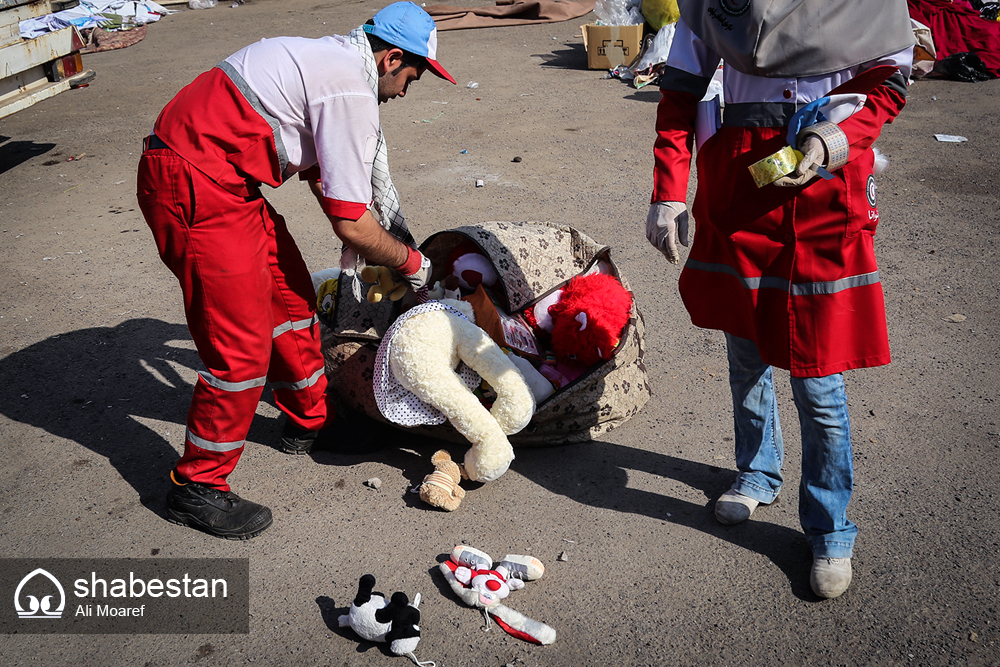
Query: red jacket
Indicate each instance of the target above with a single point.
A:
(792, 269)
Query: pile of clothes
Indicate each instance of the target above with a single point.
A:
(89, 14)
(966, 37)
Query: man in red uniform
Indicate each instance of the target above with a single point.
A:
(786, 270)
(280, 107)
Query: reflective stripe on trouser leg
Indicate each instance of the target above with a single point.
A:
(209, 461)
(297, 367)
(218, 245)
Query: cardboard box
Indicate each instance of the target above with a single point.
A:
(611, 45)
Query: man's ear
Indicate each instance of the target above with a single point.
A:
(390, 60)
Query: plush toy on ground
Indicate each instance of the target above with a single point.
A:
(473, 578)
(440, 488)
(421, 352)
(376, 619)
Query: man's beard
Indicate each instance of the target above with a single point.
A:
(383, 83)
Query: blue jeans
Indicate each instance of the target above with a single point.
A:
(827, 458)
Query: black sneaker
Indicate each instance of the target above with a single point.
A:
(294, 440)
(219, 513)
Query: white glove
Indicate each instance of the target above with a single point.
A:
(666, 221)
(421, 276)
(813, 156)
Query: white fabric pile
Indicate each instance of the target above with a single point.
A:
(91, 14)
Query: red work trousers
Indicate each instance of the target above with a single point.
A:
(250, 307)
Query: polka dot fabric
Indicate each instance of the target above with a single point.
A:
(398, 404)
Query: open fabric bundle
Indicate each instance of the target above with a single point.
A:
(528, 263)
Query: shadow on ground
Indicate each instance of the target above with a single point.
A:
(14, 153)
(645, 94)
(94, 386)
(596, 474)
(574, 56)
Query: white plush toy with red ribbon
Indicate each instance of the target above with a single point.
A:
(473, 577)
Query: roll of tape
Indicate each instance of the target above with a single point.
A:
(834, 140)
(775, 166)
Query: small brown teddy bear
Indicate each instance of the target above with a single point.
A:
(440, 488)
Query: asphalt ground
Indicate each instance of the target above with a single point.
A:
(96, 370)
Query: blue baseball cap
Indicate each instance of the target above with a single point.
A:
(407, 26)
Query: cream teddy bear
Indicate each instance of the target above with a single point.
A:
(422, 351)
(441, 487)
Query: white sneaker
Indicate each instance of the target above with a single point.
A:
(733, 507)
(830, 577)
(470, 557)
(525, 568)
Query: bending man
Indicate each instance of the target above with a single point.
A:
(280, 107)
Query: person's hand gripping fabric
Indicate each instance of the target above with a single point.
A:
(667, 222)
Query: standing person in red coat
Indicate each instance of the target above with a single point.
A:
(786, 270)
(280, 107)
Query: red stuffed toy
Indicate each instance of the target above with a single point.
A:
(588, 319)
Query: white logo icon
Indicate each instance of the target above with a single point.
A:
(39, 608)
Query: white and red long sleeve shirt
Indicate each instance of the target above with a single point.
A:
(279, 107)
(691, 65)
